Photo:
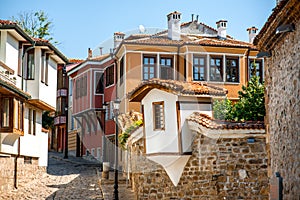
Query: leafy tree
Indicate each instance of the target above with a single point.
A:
(251, 104)
(222, 109)
(36, 24)
(47, 120)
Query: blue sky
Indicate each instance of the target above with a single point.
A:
(82, 24)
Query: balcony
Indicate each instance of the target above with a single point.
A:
(59, 120)
(7, 74)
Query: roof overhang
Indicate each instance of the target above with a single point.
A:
(41, 104)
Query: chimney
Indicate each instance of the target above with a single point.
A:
(118, 38)
(252, 31)
(174, 25)
(90, 53)
(222, 27)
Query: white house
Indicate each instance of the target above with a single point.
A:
(28, 82)
(165, 105)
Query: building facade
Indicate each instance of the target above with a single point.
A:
(28, 74)
(191, 51)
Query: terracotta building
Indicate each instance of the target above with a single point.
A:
(189, 51)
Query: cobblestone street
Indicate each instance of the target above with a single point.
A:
(65, 179)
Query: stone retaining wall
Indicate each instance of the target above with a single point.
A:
(223, 168)
(26, 172)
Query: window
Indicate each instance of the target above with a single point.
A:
(11, 117)
(216, 69)
(99, 83)
(18, 114)
(158, 115)
(81, 86)
(30, 65)
(232, 70)
(148, 67)
(199, 69)
(256, 68)
(166, 68)
(121, 70)
(31, 121)
(109, 75)
(46, 69)
(43, 66)
(5, 112)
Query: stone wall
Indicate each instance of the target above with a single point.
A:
(222, 168)
(25, 172)
(282, 79)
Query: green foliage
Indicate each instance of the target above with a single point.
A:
(36, 24)
(47, 120)
(222, 109)
(251, 104)
(123, 137)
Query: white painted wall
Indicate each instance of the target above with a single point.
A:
(186, 109)
(162, 141)
(12, 53)
(48, 92)
(35, 145)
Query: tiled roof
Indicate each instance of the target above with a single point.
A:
(176, 87)
(99, 58)
(191, 39)
(6, 22)
(210, 123)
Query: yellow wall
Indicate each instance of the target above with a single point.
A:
(134, 66)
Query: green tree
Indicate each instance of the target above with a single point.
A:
(251, 104)
(222, 109)
(36, 24)
(47, 120)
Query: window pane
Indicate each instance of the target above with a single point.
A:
(201, 61)
(5, 115)
(169, 62)
(196, 61)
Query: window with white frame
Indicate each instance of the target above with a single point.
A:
(256, 68)
(216, 69)
(99, 84)
(149, 65)
(232, 70)
(199, 68)
(166, 68)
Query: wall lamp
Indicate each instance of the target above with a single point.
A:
(285, 28)
(263, 54)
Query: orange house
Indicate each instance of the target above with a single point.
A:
(191, 51)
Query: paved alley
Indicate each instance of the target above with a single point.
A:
(72, 178)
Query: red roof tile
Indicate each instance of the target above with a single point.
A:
(176, 87)
(210, 123)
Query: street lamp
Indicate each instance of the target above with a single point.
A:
(116, 105)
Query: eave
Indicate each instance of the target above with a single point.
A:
(41, 104)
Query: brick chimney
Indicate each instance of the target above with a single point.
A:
(222, 28)
(118, 38)
(252, 31)
(90, 53)
(174, 25)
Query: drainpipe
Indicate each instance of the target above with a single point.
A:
(16, 165)
(177, 60)
(247, 62)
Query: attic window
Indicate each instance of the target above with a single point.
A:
(158, 115)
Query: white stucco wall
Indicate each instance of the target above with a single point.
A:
(186, 109)
(48, 92)
(162, 141)
(12, 53)
(35, 145)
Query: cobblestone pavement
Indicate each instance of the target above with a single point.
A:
(65, 179)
